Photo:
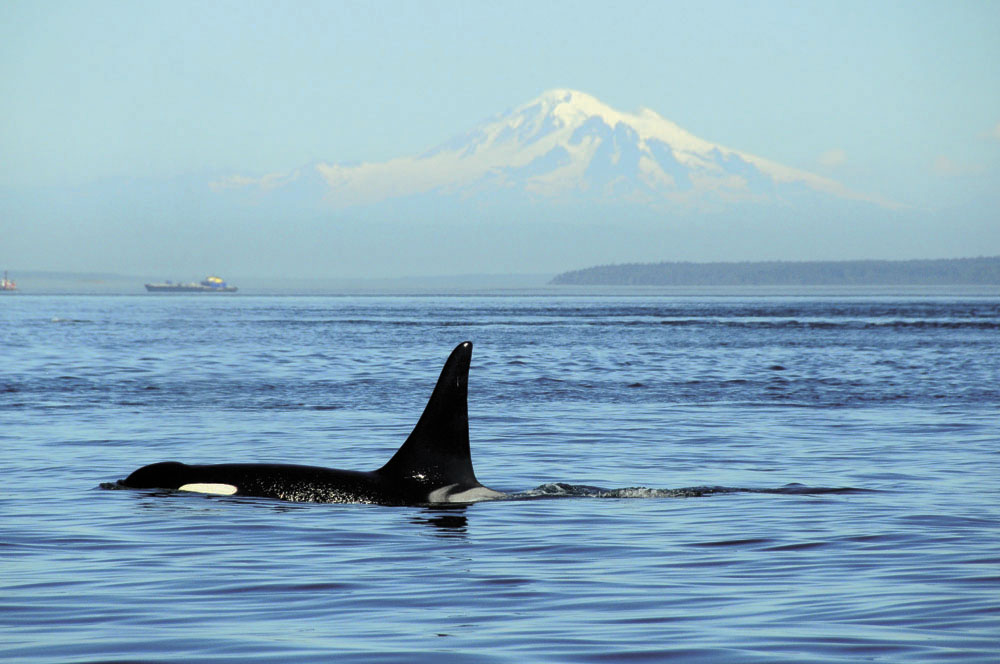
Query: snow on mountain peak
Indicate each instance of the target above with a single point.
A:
(574, 108)
(567, 103)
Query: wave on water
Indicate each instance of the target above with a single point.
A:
(564, 490)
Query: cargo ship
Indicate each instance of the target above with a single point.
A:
(6, 285)
(207, 285)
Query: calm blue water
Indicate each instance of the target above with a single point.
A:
(894, 400)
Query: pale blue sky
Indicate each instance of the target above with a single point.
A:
(898, 99)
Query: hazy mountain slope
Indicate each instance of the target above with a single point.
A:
(566, 146)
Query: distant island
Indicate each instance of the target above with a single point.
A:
(940, 272)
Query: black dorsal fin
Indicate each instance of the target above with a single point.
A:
(437, 451)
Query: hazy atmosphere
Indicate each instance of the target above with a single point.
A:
(377, 140)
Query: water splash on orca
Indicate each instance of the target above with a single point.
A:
(566, 490)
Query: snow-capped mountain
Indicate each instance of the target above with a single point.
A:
(567, 145)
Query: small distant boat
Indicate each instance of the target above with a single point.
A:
(207, 285)
(6, 285)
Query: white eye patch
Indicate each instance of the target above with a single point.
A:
(217, 489)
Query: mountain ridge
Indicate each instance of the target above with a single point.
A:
(567, 145)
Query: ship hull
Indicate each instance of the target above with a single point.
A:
(188, 288)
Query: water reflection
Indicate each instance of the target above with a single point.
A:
(449, 520)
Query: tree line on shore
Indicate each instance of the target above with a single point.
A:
(948, 271)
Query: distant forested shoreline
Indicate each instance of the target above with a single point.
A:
(947, 271)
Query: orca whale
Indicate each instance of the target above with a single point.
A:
(433, 465)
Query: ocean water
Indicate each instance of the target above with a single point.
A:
(809, 478)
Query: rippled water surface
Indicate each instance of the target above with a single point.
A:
(706, 479)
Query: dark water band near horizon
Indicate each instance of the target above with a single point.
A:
(698, 478)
